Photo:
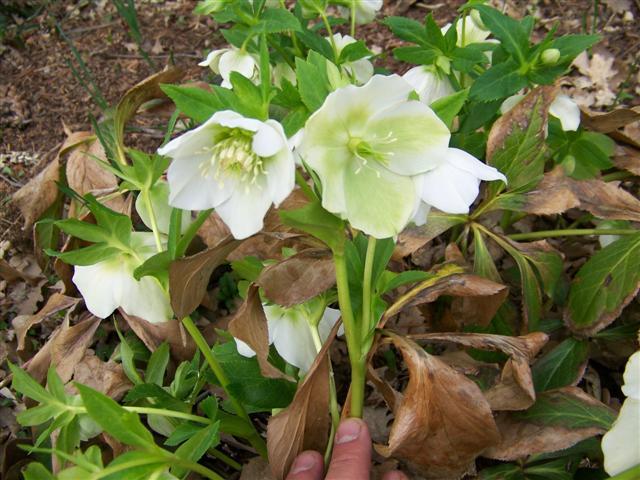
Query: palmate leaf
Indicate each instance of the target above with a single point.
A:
(604, 285)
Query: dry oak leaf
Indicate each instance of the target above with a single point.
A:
(56, 303)
(514, 390)
(249, 324)
(34, 198)
(298, 278)
(106, 377)
(304, 424)
(557, 193)
(443, 421)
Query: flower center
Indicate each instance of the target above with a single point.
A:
(363, 152)
(233, 155)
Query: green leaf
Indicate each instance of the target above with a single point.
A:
(38, 415)
(354, 51)
(86, 231)
(555, 470)
(128, 363)
(593, 152)
(162, 398)
(182, 433)
(116, 421)
(483, 263)
(157, 365)
(86, 256)
(561, 366)
(499, 82)
(156, 266)
(22, 382)
(605, 284)
(407, 29)
(312, 90)
(276, 20)
(448, 107)
(55, 385)
(396, 280)
(416, 55)
(196, 446)
(194, 102)
(315, 220)
(572, 45)
(37, 471)
(210, 407)
(509, 471)
(248, 94)
(295, 120)
(315, 42)
(566, 409)
(513, 36)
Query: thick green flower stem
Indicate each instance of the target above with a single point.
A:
(255, 439)
(542, 234)
(353, 19)
(152, 218)
(366, 288)
(352, 333)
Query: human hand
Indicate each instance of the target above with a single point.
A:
(351, 459)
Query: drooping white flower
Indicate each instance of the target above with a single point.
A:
(365, 10)
(110, 284)
(454, 185)
(621, 444)
(281, 71)
(366, 143)
(239, 166)
(468, 31)
(290, 332)
(430, 85)
(562, 107)
(362, 69)
(227, 60)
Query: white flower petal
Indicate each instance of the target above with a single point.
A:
(467, 162)
(472, 32)
(292, 338)
(450, 189)
(101, 285)
(213, 59)
(268, 140)
(428, 85)
(631, 387)
(330, 165)
(567, 111)
(244, 349)
(280, 172)
(421, 213)
(194, 141)
(145, 298)
(159, 197)
(244, 211)
(621, 444)
(327, 322)
(361, 69)
(510, 102)
(237, 61)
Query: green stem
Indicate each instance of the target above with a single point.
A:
(353, 18)
(333, 397)
(571, 232)
(304, 186)
(255, 439)
(366, 288)
(327, 25)
(621, 175)
(224, 458)
(352, 334)
(152, 218)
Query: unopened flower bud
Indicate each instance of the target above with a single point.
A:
(550, 56)
(477, 19)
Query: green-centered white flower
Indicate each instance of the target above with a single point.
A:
(365, 10)
(227, 60)
(366, 143)
(110, 284)
(361, 70)
(239, 166)
(290, 331)
(621, 444)
(429, 83)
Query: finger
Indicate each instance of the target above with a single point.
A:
(307, 466)
(351, 457)
(395, 475)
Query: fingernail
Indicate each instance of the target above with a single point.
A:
(348, 431)
(306, 461)
(395, 476)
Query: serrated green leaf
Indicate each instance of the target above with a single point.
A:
(196, 446)
(162, 398)
(408, 29)
(354, 51)
(513, 35)
(555, 470)
(276, 20)
(605, 284)
(483, 263)
(195, 103)
(116, 421)
(312, 91)
(37, 471)
(210, 407)
(566, 409)
(128, 363)
(417, 55)
(448, 107)
(249, 95)
(509, 471)
(500, 81)
(561, 366)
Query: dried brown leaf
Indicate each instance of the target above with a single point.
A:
(34, 198)
(106, 377)
(443, 421)
(557, 193)
(249, 324)
(304, 424)
(413, 238)
(609, 121)
(56, 303)
(256, 468)
(298, 278)
(153, 334)
(189, 276)
(213, 230)
(627, 158)
(69, 347)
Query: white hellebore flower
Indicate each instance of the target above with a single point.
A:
(454, 184)
(365, 10)
(237, 165)
(468, 31)
(562, 107)
(621, 444)
(366, 143)
(429, 84)
(110, 284)
(362, 69)
(290, 332)
(227, 60)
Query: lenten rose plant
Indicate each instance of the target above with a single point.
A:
(260, 256)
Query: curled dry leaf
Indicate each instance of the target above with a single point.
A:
(559, 419)
(610, 121)
(153, 334)
(627, 158)
(213, 230)
(249, 324)
(514, 390)
(34, 198)
(298, 278)
(56, 303)
(10, 273)
(443, 421)
(189, 276)
(557, 193)
(304, 424)
(413, 238)
(106, 377)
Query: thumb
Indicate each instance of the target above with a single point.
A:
(351, 457)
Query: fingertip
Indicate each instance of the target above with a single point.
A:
(307, 466)
(395, 475)
(352, 429)
(352, 453)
